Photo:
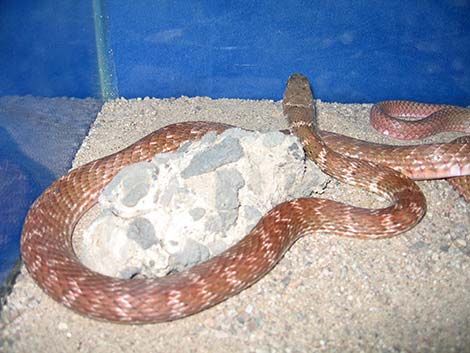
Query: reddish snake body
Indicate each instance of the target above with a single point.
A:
(50, 259)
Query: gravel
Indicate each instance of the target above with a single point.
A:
(328, 294)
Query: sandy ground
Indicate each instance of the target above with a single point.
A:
(328, 294)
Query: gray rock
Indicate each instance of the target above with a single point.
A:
(165, 196)
(227, 151)
(296, 150)
(142, 232)
(217, 246)
(135, 193)
(214, 224)
(208, 195)
(253, 215)
(227, 184)
(197, 213)
(192, 254)
(228, 218)
(163, 158)
(273, 138)
(135, 182)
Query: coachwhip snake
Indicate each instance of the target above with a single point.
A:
(50, 259)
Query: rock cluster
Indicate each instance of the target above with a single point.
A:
(184, 207)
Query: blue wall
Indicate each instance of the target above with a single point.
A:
(353, 51)
(47, 48)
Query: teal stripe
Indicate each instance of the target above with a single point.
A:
(104, 52)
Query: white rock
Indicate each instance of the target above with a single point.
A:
(185, 207)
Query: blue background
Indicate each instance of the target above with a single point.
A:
(353, 51)
(360, 51)
(47, 50)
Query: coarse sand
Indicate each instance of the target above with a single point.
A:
(328, 294)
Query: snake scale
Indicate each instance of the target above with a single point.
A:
(46, 242)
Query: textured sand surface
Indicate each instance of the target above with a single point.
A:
(328, 294)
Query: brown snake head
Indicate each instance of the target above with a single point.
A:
(298, 94)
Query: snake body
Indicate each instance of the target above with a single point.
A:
(50, 259)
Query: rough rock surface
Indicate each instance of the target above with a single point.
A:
(185, 207)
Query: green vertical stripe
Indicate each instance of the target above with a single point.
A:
(104, 52)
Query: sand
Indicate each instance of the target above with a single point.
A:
(329, 294)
